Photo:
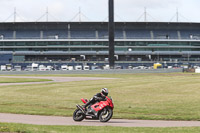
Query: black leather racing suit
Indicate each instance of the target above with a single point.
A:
(96, 98)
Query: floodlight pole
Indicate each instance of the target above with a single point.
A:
(111, 28)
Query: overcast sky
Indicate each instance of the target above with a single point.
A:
(97, 10)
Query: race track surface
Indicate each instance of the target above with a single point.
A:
(54, 79)
(56, 120)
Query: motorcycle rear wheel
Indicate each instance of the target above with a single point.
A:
(106, 115)
(78, 115)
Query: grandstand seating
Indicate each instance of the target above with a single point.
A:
(165, 34)
(86, 34)
(119, 34)
(53, 34)
(138, 34)
(102, 34)
(7, 34)
(27, 34)
(190, 34)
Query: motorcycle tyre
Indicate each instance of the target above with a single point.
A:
(80, 118)
(110, 111)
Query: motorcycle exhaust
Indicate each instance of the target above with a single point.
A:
(81, 108)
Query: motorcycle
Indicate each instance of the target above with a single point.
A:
(102, 111)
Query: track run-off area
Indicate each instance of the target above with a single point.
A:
(58, 120)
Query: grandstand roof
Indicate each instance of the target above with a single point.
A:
(97, 25)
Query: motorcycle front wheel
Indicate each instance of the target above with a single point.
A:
(105, 115)
(78, 115)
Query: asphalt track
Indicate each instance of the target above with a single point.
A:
(54, 79)
(57, 120)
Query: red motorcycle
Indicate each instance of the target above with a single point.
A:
(102, 111)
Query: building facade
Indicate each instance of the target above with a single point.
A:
(78, 42)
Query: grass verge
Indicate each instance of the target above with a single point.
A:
(20, 80)
(24, 128)
(136, 96)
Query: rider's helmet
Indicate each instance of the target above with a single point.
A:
(104, 91)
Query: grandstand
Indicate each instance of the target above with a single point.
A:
(59, 43)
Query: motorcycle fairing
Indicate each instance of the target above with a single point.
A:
(100, 105)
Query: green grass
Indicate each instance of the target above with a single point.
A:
(136, 96)
(23, 128)
(20, 80)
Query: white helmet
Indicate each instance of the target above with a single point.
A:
(104, 91)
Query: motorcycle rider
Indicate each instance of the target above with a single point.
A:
(97, 98)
